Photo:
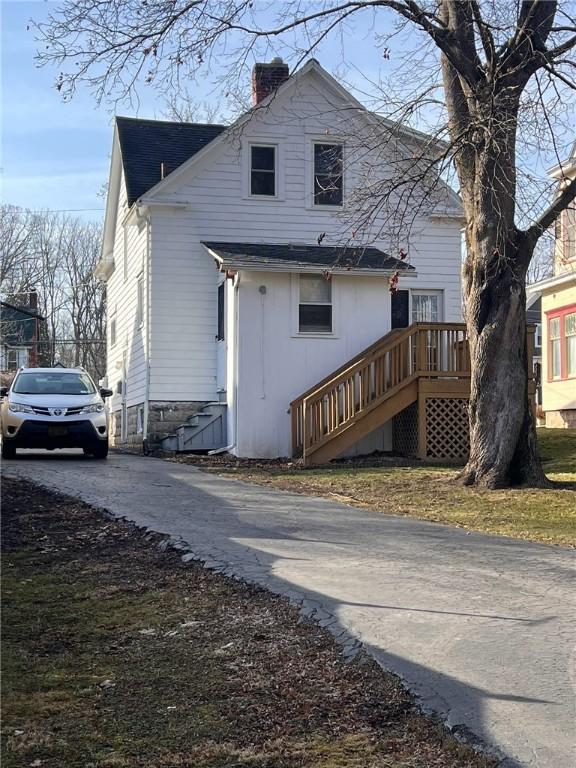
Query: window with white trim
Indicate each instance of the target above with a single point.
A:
(315, 304)
(263, 170)
(555, 347)
(426, 306)
(570, 336)
(328, 174)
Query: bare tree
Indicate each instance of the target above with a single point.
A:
(56, 256)
(500, 64)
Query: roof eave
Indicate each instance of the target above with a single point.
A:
(276, 266)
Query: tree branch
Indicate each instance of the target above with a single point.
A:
(549, 216)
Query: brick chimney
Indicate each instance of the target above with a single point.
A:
(267, 77)
(33, 300)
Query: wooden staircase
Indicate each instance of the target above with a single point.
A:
(424, 362)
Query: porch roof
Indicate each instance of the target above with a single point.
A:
(289, 257)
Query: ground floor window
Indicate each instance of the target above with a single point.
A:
(140, 420)
(13, 358)
(315, 304)
(562, 343)
(426, 306)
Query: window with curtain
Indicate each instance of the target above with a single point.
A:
(570, 336)
(315, 305)
(425, 307)
(555, 348)
(328, 180)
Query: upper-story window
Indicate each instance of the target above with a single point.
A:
(263, 170)
(315, 305)
(328, 174)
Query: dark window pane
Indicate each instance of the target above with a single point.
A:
(262, 183)
(263, 158)
(328, 159)
(315, 317)
(328, 190)
(400, 318)
(221, 289)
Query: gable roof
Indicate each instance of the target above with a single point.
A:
(146, 144)
(290, 256)
(18, 324)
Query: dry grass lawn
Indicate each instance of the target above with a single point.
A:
(117, 655)
(430, 493)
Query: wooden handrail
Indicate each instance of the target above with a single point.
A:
(348, 364)
(423, 350)
(368, 378)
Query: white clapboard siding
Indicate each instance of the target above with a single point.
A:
(184, 311)
(121, 296)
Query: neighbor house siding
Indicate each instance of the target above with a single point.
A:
(559, 394)
(121, 297)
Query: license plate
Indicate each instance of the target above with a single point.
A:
(57, 431)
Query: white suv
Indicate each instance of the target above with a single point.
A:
(54, 408)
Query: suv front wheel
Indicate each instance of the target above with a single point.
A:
(100, 451)
(8, 451)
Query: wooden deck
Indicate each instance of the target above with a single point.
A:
(418, 376)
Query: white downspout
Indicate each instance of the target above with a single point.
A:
(234, 422)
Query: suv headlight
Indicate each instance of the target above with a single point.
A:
(97, 408)
(20, 408)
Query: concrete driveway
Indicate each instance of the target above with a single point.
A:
(480, 627)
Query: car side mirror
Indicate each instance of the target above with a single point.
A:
(106, 392)
(4, 391)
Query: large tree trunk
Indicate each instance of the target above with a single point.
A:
(503, 448)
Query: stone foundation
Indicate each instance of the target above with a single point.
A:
(561, 419)
(163, 418)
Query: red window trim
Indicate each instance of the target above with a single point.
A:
(552, 314)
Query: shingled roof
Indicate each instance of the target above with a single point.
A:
(246, 255)
(18, 324)
(146, 144)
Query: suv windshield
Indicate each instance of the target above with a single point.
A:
(56, 383)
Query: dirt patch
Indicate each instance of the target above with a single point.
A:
(117, 655)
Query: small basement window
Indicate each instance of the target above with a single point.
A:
(328, 188)
(315, 305)
(263, 171)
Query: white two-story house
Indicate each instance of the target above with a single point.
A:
(235, 277)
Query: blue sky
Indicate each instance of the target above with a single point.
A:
(55, 155)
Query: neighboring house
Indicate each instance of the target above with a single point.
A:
(234, 283)
(558, 302)
(20, 337)
(534, 317)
